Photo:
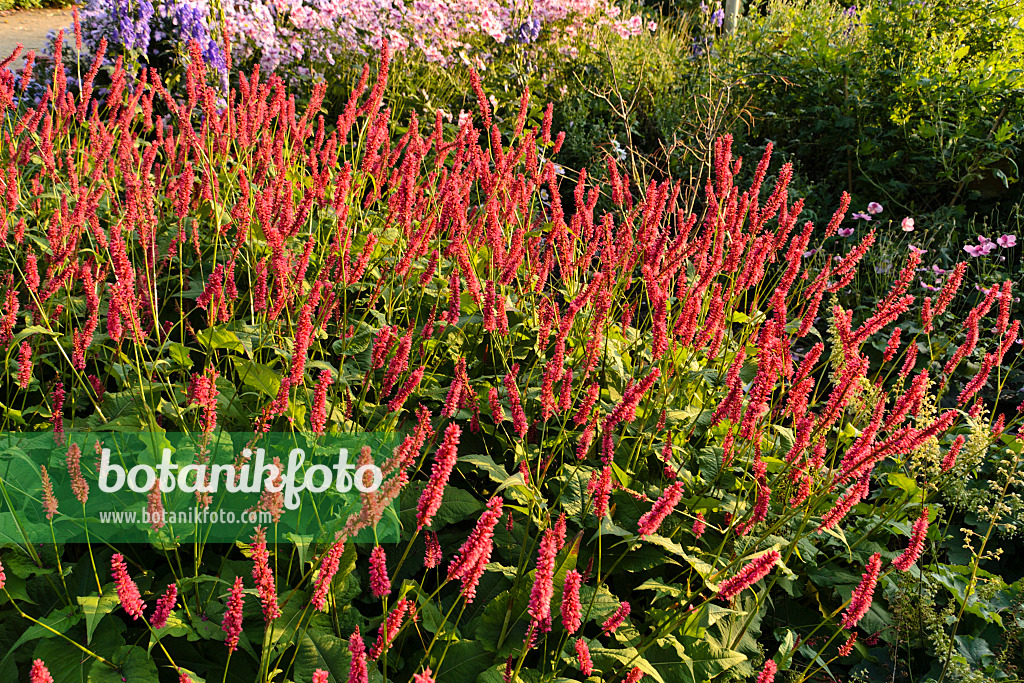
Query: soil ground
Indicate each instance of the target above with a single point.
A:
(29, 27)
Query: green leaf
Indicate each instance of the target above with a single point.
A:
(322, 651)
(485, 465)
(464, 661)
(95, 607)
(135, 666)
(63, 666)
(260, 377)
(456, 505)
(220, 337)
(703, 660)
(608, 659)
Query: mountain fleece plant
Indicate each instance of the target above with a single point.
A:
(635, 445)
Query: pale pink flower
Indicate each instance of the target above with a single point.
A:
(1007, 241)
(874, 208)
(79, 485)
(907, 224)
(845, 232)
(860, 216)
(915, 250)
(155, 507)
(49, 500)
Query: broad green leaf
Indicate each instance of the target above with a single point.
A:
(463, 661)
(319, 650)
(486, 465)
(220, 337)
(609, 659)
(262, 378)
(95, 607)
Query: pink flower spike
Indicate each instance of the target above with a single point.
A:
(264, 576)
(380, 584)
(320, 676)
(232, 624)
(915, 250)
(39, 673)
(543, 588)
(754, 571)
(907, 224)
(475, 553)
(874, 208)
(634, 675)
(1007, 241)
(651, 521)
(913, 551)
(49, 500)
(127, 591)
(426, 677)
(357, 671)
(164, 606)
(860, 601)
(328, 568)
(444, 462)
(572, 610)
(767, 674)
(583, 657)
(616, 619)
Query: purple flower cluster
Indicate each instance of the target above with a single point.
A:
(140, 29)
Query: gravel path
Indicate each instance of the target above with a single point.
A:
(29, 27)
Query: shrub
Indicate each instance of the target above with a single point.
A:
(618, 428)
(916, 105)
